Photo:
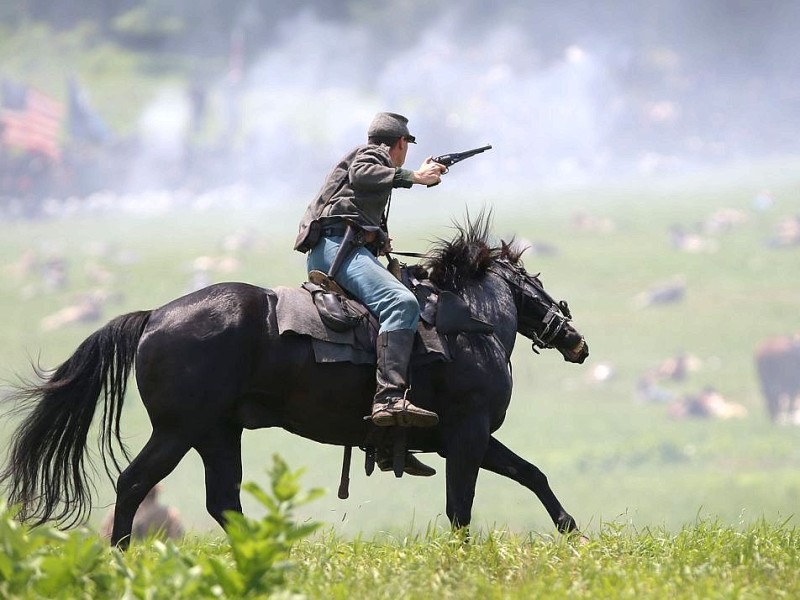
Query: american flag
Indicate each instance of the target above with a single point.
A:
(30, 121)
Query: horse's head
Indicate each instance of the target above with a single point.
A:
(466, 259)
(540, 318)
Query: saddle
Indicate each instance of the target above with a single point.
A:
(343, 330)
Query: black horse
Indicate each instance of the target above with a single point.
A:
(212, 363)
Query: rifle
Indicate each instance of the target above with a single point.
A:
(448, 160)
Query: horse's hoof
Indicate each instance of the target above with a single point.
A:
(578, 538)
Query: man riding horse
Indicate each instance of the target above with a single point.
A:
(344, 230)
(215, 362)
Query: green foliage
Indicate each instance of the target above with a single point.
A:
(702, 560)
(46, 563)
(47, 560)
(260, 548)
(143, 22)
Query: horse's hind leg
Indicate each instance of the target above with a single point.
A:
(503, 461)
(221, 451)
(158, 458)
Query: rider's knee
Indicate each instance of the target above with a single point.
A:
(406, 302)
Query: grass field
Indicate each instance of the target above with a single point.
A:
(703, 561)
(612, 460)
(273, 557)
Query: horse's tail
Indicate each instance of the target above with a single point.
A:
(46, 473)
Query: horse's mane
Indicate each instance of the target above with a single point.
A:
(466, 257)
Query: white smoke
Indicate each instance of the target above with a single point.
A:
(310, 98)
(595, 106)
(162, 134)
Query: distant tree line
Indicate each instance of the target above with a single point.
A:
(711, 30)
(194, 26)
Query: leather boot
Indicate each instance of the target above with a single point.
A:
(390, 407)
(413, 465)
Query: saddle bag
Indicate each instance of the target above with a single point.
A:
(335, 310)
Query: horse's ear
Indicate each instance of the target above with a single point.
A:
(512, 250)
(508, 251)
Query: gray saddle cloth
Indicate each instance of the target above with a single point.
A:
(297, 315)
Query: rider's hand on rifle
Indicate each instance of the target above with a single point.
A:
(429, 173)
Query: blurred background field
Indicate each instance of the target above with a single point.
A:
(610, 453)
(646, 151)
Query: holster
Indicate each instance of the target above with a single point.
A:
(349, 243)
(334, 309)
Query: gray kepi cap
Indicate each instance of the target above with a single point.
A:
(390, 125)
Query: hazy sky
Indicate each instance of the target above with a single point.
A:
(568, 91)
(559, 92)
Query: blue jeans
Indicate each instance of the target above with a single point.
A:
(368, 280)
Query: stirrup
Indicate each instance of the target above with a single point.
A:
(413, 465)
(403, 413)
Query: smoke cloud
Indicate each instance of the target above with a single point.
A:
(560, 99)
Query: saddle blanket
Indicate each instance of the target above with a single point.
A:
(297, 315)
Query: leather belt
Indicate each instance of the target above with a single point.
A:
(333, 231)
(362, 237)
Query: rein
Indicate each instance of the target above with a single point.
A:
(558, 313)
(534, 281)
(561, 304)
(493, 334)
(411, 254)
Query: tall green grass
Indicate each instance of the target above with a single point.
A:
(278, 556)
(704, 560)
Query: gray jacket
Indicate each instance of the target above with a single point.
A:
(357, 189)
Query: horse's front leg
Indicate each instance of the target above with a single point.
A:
(221, 451)
(499, 459)
(465, 444)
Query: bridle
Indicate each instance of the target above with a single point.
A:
(557, 313)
